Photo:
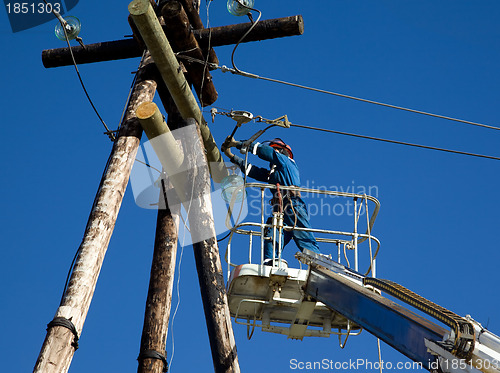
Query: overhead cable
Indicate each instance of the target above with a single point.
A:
(225, 69)
(273, 123)
(108, 132)
(246, 33)
(378, 103)
(396, 142)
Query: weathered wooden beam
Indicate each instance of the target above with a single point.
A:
(223, 35)
(192, 9)
(103, 51)
(178, 31)
(161, 51)
(57, 349)
(165, 146)
(149, 27)
(208, 264)
(193, 189)
(159, 299)
(264, 30)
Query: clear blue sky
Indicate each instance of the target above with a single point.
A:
(440, 212)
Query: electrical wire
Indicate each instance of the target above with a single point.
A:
(147, 164)
(69, 275)
(70, 270)
(171, 328)
(378, 103)
(108, 131)
(58, 16)
(127, 102)
(379, 355)
(179, 276)
(246, 33)
(205, 65)
(235, 71)
(223, 238)
(244, 181)
(396, 142)
(243, 188)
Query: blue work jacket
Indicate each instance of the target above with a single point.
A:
(282, 170)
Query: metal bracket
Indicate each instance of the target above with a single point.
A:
(241, 116)
(276, 281)
(280, 122)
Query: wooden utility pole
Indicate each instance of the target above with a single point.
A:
(178, 31)
(58, 347)
(208, 264)
(200, 205)
(152, 33)
(193, 190)
(152, 356)
(154, 333)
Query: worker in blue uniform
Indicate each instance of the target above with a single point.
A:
(283, 171)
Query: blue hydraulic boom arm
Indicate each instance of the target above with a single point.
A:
(465, 347)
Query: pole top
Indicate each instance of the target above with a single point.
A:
(146, 110)
(138, 7)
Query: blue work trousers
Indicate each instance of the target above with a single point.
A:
(303, 240)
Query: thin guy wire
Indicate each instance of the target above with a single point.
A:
(396, 142)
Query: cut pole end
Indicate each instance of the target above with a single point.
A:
(146, 110)
(300, 23)
(138, 7)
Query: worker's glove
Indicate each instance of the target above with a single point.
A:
(230, 142)
(227, 145)
(227, 152)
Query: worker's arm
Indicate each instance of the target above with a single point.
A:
(257, 173)
(265, 152)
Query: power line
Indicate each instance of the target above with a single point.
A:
(261, 119)
(248, 31)
(108, 131)
(378, 103)
(225, 69)
(396, 142)
(60, 19)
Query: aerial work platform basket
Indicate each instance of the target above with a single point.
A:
(271, 296)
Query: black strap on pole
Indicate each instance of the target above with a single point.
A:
(66, 323)
(152, 354)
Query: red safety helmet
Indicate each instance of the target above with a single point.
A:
(277, 143)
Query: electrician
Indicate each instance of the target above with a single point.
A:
(283, 171)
